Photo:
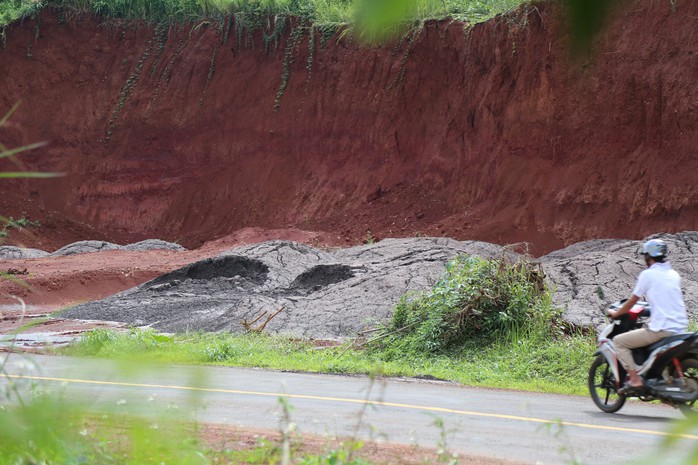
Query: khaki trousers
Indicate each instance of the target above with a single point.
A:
(633, 339)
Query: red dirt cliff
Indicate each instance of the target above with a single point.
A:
(489, 133)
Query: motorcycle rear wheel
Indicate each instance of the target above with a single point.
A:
(602, 386)
(689, 366)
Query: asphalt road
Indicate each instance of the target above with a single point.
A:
(527, 427)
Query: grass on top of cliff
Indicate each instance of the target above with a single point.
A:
(486, 323)
(372, 13)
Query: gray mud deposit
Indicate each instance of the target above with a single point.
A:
(325, 294)
(331, 294)
(17, 253)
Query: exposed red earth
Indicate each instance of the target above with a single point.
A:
(490, 133)
(493, 132)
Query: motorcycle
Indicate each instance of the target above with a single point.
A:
(669, 367)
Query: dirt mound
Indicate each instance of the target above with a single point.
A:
(338, 293)
(324, 294)
(9, 252)
(101, 246)
(153, 244)
(80, 247)
(492, 134)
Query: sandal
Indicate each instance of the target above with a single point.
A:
(629, 389)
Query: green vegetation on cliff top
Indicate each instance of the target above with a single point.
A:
(318, 12)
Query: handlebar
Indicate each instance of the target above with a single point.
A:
(641, 308)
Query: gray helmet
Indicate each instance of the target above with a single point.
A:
(655, 248)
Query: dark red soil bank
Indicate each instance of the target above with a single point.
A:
(490, 133)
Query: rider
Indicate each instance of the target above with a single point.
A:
(661, 286)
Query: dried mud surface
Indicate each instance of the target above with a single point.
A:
(322, 294)
(331, 294)
(493, 134)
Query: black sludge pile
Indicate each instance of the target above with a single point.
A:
(331, 294)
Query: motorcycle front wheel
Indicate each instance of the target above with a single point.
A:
(602, 386)
(689, 366)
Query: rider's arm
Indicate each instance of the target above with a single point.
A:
(625, 308)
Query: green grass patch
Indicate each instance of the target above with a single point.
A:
(12, 10)
(526, 363)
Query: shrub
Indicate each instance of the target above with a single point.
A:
(477, 300)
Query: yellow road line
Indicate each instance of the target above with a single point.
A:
(357, 401)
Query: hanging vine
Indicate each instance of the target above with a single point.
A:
(277, 33)
(229, 24)
(128, 89)
(311, 50)
(161, 38)
(296, 35)
(211, 70)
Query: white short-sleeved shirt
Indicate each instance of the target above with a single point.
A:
(660, 284)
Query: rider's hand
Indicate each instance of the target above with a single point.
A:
(612, 314)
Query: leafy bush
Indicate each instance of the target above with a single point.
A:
(477, 300)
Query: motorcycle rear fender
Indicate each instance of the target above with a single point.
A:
(664, 354)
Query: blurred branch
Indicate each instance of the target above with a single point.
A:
(29, 174)
(10, 152)
(9, 113)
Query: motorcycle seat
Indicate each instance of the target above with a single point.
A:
(667, 340)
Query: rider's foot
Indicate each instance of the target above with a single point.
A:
(633, 384)
(634, 380)
(629, 389)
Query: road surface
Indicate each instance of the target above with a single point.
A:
(529, 427)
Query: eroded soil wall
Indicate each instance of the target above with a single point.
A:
(490, 133)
